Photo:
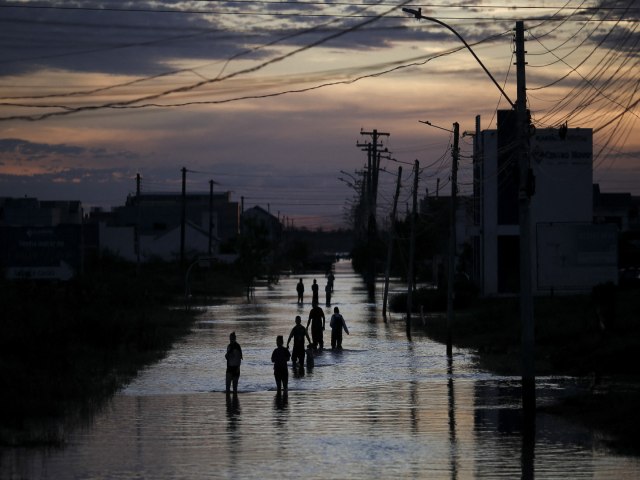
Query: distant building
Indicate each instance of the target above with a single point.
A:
(621, 209)
(148, 226)
(31, 212)
(154, 213)
(43, 240)
(260, 216)
(569, 253)
(51, 239)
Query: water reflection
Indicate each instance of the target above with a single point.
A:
(384, 407)
(280, 403)
(452, 419)
(233, 412)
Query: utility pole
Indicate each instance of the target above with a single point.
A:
(241, 213)
(137, 239)
(374, 165)
(372, 230)
(210, 217)
(526, 190)
(392, 229)
(478, 200)
(365, 196)
(452, 237)
(412, 248)
(183, 214)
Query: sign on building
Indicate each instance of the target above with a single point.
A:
(41, 253)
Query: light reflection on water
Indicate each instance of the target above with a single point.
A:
(383, 407)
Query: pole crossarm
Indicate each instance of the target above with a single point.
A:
(418, 14)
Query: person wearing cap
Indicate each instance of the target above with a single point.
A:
(234, 358)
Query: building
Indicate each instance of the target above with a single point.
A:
(259, 216)
(154, 213)
(31, 212)
(569, 252)
(622, 209)
(43, 240)
(149, 225)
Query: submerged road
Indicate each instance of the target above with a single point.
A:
(384, 407)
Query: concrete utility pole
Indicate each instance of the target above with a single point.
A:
(374, 165)
(453, 207)
(137, 230)
(371, 201)
(526, 190)
(183, 214)
(452, 237)
(210, 250)
(412, 248)
(241, 213)
(392, 229)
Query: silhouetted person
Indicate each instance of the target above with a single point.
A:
(316, 319)
(234, 358)
(298, 332)
(300, 290)
(314, 290)
(280, 357)
(330, 278)
(337, 324)
(327, 292)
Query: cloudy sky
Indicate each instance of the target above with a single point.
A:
(270, 98)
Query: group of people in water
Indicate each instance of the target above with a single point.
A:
(315, 288)
(281, 355)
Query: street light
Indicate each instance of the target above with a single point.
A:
(525, 192)
(418, 14)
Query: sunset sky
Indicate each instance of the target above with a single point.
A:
(268, 98)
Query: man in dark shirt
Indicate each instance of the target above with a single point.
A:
(316, 319)
(314, 291)
(298, 333)
(300, 290)
(280, 357)
(337, 324)
(234, 358)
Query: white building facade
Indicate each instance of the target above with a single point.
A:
(569, 253)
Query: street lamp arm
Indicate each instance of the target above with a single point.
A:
(418, 15)
(427, 122)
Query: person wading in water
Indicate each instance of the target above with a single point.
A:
(234, 358)
(316, 319)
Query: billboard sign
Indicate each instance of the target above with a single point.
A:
(41, 253)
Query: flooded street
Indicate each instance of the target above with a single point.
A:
(384, 407)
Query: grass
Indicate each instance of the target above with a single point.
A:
(67, 347)
(571, 339)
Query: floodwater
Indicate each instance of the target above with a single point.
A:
(384, 407)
